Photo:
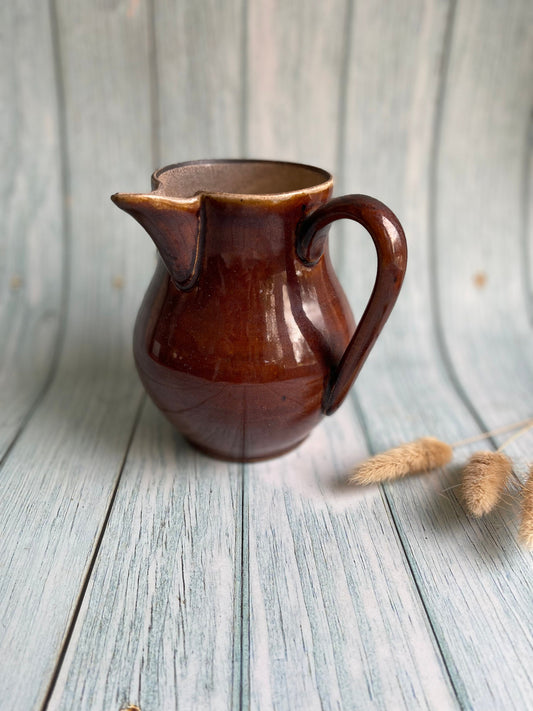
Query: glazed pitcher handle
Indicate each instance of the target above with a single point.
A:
(389, 240)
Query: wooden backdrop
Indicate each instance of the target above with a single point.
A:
(134, 570)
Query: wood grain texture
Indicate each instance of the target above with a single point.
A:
(527, 217)
(294, 83)
(59, 478)
(485, 325)
(199, 73)
(175, 640)
(335, 620)
(295, 70)
(31, 268)
(136, 571)
(406, 390)
(485, 321)
(325, 627)
(157, 624)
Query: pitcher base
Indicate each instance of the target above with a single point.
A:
(243, 459)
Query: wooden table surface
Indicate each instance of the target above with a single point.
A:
(136, 571)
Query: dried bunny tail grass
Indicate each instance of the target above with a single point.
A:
(525, 533)
(421, 455)
(484, 479)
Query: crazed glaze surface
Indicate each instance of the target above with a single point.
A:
(239, 339)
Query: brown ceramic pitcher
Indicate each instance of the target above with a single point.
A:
(245, 339)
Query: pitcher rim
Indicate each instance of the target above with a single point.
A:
(324, 184)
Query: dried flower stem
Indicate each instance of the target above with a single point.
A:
(515, 436)
(525, 532)
(525, 424)
(422, 455)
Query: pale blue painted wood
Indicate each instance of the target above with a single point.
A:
(32, 275)
(527, 217)
(58, 481)
(295, 69)
(299, 592)
(335, 618)
(485, 322)
(159, 625)
(199, 73)
(485, 325)
(174, 533)
(406, 389)
(326, 628)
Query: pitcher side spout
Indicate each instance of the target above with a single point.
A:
(175, 227)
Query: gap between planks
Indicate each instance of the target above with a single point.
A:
(85, 583)
(433, 165)
(527, 256)
(402, 546)
(66, 235)
(435, 286)
(241, 635)
(432, 224)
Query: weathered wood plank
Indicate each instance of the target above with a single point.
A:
(405, 390)
(295, 70)
(156, 628)
(55, 488)
(330, 591)
(527, 217)
(335, 618)
(31, 243)
(296, 61)
(200, 79)
(171, 553)
(320, 556)
(59, 478)
(485, 319)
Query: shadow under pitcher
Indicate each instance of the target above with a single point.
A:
(245, 339)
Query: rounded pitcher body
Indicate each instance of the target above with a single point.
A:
(245, 338)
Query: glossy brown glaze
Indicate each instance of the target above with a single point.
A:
(245, 338)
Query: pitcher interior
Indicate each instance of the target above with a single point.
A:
(238, 177)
